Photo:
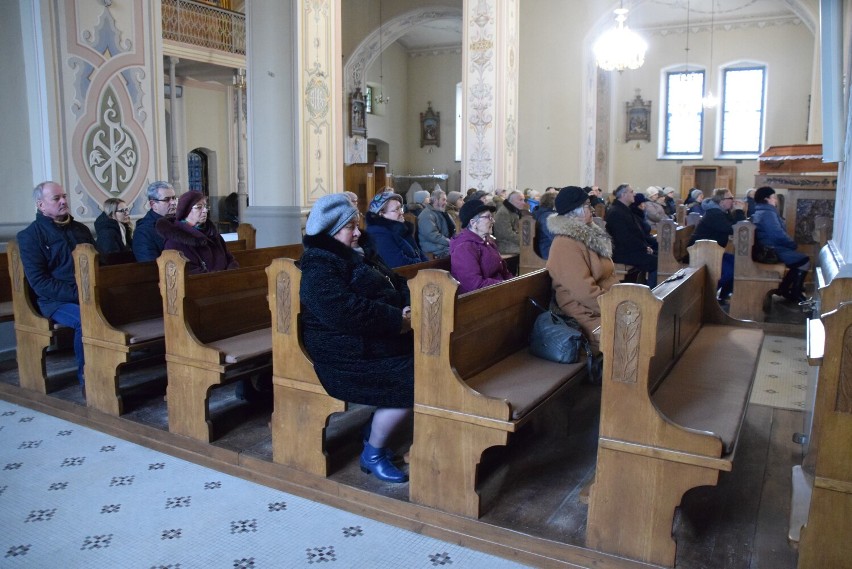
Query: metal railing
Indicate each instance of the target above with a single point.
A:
(198, 24)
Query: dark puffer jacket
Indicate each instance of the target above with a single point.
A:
(394, 241)
(147, 243)
(204, 248)
(108, 231)
(46, 249)
(351, 321)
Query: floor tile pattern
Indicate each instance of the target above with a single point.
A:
(74, 497)
(782, 374)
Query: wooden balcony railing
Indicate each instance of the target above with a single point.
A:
(199, 24)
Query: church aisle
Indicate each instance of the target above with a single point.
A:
(71, 496)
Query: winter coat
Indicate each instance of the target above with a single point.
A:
(108, 231)
(654, 212)
(453, 212)
(628, 238)
(351, 322)
(581, 269)
(507, 229)
(543, 236)
(203, 247)
(433, 232)
(716, 224)
(475, 262)
(147, 243)
(414, 208)
(769, 231)
(46, 249)
(394, 241)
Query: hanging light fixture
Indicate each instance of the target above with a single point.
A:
(620, 48)
(381, 99)
(709, 101)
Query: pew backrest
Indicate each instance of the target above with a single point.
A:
(6, 312)
(24, 300)
(744, 266)
(672, 240)
(529, 259)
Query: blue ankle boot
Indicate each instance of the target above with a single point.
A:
(375, 460)
(365, 434)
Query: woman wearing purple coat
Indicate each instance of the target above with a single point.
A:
(475, 260)
(190, 233)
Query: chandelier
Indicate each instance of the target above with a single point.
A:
(710, 100)
(382, 99)
(619, 48)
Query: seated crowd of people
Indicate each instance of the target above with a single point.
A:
(357, 310)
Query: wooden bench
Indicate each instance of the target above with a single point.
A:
(121, 313)
(34, 333)
(6, 312)
(672, 240)
(246, 238)
(753, 282)
(302, 405)
(677, 378)
(217, 330)
(529, 260)
(475, 381)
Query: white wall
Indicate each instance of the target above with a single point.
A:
(208, 123)
(387, 122)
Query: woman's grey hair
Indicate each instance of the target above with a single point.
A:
(111, 206)
(577, 212)
(153, 191)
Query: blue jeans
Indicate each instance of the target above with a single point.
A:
(726, 283)
(69, 315)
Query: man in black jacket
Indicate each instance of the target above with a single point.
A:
(628, 240)
(46, 246)
(721, 212)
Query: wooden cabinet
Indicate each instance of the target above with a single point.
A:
(365, 180)
(707, 178)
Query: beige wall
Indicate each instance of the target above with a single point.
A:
(387, 123)
(209, 119)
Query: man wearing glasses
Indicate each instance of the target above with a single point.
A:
(147, 243)
(721, 212)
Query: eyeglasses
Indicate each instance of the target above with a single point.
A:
(123, 210)
(201, 207)
(489, 217)
(728, 198)
(171, 199)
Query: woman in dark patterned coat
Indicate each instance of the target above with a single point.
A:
(356, 327)
(190, 233)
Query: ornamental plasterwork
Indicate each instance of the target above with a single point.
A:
(110, 149)
(480, 83)
(317, 159)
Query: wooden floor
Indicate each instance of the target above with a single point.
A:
(532, 490)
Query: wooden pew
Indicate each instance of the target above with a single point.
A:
(121, 312)
(246, 238)
(753, 282)
(672, 240)
(677, 378)
(6, 312)
(475, 381)
(217, 330)
(301, 403)
(33, 332)
(529, 260)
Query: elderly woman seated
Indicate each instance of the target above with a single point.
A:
(392, 236)
(356, 319)
(192, 234)
(114, 232)
(580, 261)
(475, 260)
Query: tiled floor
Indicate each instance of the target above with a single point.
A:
(782, 374)
(74, 497)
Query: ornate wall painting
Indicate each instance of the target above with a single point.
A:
(638, 123)
(430, 127)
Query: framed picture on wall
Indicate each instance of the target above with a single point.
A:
(430, 127)
(638, 123)
(357, 114)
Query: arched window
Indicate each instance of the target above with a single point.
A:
(197, 168)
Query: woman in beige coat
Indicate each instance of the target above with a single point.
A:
(580, 261)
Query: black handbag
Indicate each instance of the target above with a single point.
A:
(764, 254)
(558, 338)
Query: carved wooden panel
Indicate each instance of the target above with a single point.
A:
(628, 323)
(430, 327)
(742, 241)
(666, 235)
(525, 233)
(84, 272)
(843, 403)
(171, 288)
(284, 309)
(17, 272)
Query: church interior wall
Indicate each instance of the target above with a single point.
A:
(208, 124)
(787, 52)
(388, 121)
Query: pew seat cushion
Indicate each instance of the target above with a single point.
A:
(245, 346)
(524, 380)
(709, 386)
(6, 309)
(143, 330)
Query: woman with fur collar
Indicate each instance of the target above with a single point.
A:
(190, 233)
(392, 235)
(356, 327)
(580, 261)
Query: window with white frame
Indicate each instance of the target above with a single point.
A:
(743, 95)
(684, 115)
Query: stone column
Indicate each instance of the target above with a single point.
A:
(242, 194)
(490, 72)
(174, 155)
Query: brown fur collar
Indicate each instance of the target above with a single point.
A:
(592, 236)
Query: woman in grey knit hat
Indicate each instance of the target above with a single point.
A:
(356, 327)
